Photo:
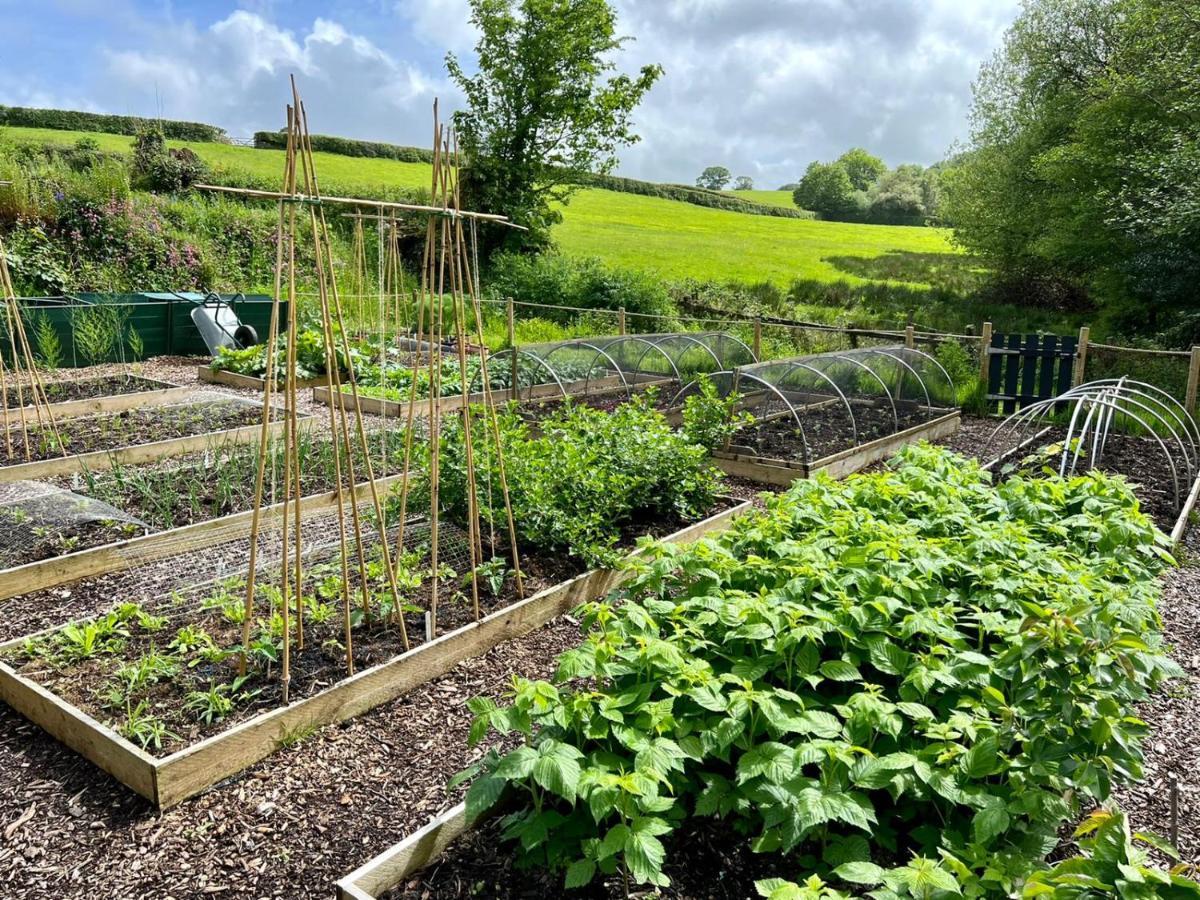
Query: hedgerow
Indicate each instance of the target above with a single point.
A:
(277, 140)
(902, 683)
(74, 120)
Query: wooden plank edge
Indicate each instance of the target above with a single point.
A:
(1185, 514)
(193, 769)
(74, 728)
(92, 406)
(107, 558)
(102, 460)
(383, 872)
(251, 382)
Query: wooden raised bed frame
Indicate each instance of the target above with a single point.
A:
(252, 382)
(120, 555)
(101, 460)
(163, 395)
(399, 408)
(783, 472)
(185, 773)
(391, 867)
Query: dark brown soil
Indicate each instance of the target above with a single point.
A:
(826, 430)
(87, 388)
(703, 861)
(88, 683)
(606, 401)
(33, 546)
(131, 427)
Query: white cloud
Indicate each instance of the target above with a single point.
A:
(761, 86)
(235, 73)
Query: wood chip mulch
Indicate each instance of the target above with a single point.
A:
(288, 827)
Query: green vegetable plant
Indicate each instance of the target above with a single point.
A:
(582, 480)
(908, 680)
(711, 420)
(1113, 861)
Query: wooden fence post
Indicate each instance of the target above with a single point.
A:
(1193, 379)
(757, 337)
(910, 340)
(985, 343)
(1080, 357)
(621, 320)
(512, 346)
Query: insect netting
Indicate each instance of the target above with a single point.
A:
(39, 520)
(809, 407)
(616, 363)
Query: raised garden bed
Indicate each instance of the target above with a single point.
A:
(768, 461)
(111, 549)
(252, 382)
(168, 779)
(91, 396)
(95, 443)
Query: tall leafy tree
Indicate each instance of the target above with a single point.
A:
(714, 178)
(1085, 164)
(863, 168)
(743, 183)
(544, 108)
(825, 189)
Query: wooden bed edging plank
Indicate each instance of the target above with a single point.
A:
(415, 852)
(782, 472)
(251, 382)
(101, 460)
(189, 771)
(48, 573)
(91, 406)
(398, 408)
(1181, 523)
(76, 729)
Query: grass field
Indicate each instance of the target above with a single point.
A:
(669, 238)
(332, 168)
(678, 240)
(770, 198)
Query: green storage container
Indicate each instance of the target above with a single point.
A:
(162, 321)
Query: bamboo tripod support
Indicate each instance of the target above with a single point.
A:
(448, 286)
(24, 373)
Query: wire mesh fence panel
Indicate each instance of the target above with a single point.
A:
(1167, 371)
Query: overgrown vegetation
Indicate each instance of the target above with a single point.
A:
(586, 480)
(1081, 182)
(906, 681)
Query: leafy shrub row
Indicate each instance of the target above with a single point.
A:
(277, 140)
(585, 479)
(694, 195)
(551, 279)
(910, 679)
(74, 120)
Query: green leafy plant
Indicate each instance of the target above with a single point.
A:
(145, 728)
(493, 573)
(912, 664)
(1113, 862)
(49, 347)
(585, 477)
(218, 701)
(709, 419)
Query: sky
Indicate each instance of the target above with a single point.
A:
(762, 87)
